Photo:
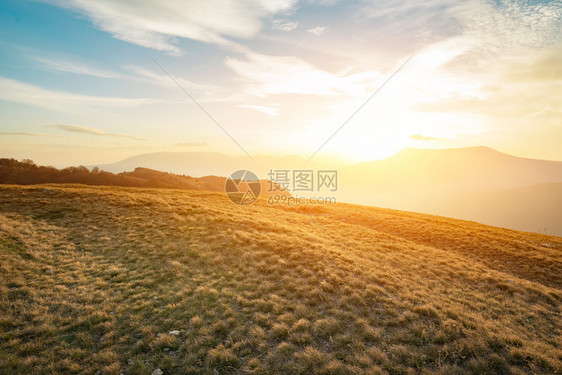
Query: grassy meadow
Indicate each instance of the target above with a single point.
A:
(107, 280)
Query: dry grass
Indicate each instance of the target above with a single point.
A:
(96, 279)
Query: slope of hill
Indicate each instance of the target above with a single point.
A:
(26, 172)
(133, 280)
(155, 178)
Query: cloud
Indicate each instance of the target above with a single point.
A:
(318, 30)
(24, 133)
(270, 111)
(284, 25)
(495, 63)
(506, 26)
(264, 75)
(419, 137)
(324, 2)
(505, 32)
(491, 29)
(412, 22)
(547, 67)
(75, 68)
(157, 24)
(515, 88)
(192, 144)
(94, 131)
(133, 73)
(513, 101)
(203, 93)
(20, 92)
(160, 79)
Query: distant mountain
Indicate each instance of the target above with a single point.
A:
(464, 168)
(475, 183)
(199, 164)
(194, 164)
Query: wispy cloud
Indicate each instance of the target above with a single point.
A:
(148, 76)
(130, 73)
(270, 111)
(507, 86)
(94, 131)
(483, 60)
(157, 25)
(419, 137)
(284, 25)
(75, 68)
(24, 133)
(192, 144)
(428, 20)
(266, 74)
(20, 92)
(318, 30)
(492, 30)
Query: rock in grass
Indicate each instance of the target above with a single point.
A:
(174, 333)
(157, 372)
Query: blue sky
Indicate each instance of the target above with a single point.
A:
(78, 84)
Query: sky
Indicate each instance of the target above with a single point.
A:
(93, 82)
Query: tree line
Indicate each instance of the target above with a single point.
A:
(26, 172)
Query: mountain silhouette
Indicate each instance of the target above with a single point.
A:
(474, 183)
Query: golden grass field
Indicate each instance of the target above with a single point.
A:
(94, 279)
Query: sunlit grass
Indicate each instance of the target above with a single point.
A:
(97, 279)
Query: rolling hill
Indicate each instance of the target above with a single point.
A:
(27, 173)
(109, 280)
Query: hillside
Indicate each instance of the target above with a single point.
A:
(27, 173)
(109, 280)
